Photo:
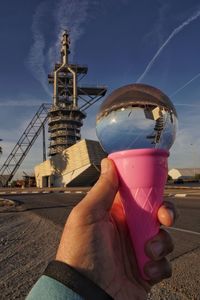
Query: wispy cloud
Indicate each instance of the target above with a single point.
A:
(71, 15)
(28, 103)
(36, 59)
(67, 14)
(171, 36)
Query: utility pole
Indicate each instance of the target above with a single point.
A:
(44, 143)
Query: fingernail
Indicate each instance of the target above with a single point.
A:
(157, 249)
(171, 213)
(159, 272)
(104, 166)
(153, 272)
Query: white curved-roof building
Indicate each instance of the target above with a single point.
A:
(78, 165)
(183, 173)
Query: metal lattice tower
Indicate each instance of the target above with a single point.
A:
(24, 144)
(65, 116)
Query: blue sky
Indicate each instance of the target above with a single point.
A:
(121, 41)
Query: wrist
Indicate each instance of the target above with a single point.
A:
(76, 281)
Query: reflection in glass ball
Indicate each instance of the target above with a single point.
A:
(136, 116)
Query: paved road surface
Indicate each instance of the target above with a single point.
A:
(54, 208)
(57, 207)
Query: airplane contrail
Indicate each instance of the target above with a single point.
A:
(187, 105)
(171, 36)
(185, 85)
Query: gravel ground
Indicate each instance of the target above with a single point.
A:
(28, 242)
(185, 282)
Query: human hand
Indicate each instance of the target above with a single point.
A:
(96, 242)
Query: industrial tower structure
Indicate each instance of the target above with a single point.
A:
(66, 116)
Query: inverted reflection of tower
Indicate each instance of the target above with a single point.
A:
(65, 116)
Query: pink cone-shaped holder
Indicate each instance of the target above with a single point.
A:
(142, 174)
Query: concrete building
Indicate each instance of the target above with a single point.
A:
(185, 173)
(78, 165)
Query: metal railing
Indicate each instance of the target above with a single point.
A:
(64, 127)
(65, 119)
(65, 133)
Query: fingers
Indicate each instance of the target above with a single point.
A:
(100, 198)
(158, 270)
(167, 214)
(156, 249)
(159, 246)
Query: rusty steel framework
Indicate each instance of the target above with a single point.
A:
(24, 144)
(70, 100)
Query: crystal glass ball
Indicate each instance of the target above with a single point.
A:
(136, 116)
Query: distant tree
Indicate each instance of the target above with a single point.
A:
(197, 176)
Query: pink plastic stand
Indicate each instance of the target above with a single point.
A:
(142, 175)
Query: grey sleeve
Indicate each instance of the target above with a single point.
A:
(47, 288)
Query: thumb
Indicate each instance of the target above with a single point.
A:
(100, 198)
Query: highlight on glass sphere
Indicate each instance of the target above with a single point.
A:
(136, 116)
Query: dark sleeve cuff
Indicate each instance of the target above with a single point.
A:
(75, 281)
